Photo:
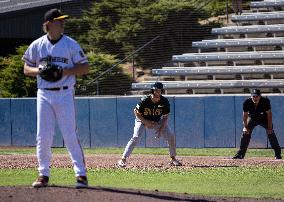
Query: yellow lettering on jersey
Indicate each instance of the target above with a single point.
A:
(158, 112)
(147, 111)
(150, 112)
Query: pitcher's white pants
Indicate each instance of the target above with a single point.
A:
(57, 106)
(139, 129)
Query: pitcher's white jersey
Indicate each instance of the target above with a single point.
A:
(65, 53)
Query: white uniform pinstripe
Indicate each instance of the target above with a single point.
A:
(58, 105)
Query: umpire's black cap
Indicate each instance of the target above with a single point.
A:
(255, 92)
(54, 14)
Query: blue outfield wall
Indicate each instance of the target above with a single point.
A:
(198, 122)
(5, 122)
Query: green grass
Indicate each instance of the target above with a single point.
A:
(256, 182)
(227, 182)
(156, 151)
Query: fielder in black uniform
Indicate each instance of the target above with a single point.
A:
(257, 111)
(152, 113)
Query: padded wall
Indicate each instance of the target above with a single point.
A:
(103, 122)
(23, 121)
(125, 121)
(277, 105)
(189, 121)
(5, 120)
(197, 121)
(82, 107)
(219, 126)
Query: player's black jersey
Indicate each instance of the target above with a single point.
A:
(153, 111)
(257, 113)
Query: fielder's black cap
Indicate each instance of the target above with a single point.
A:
(255, 92)
(54, 14)
(157, 85)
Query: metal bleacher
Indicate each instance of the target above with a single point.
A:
(266, 4)
(222, 84)
(267, 17)
(243, 56)
(227, 56)
(251, 29)
(249, 42)
(219, 70)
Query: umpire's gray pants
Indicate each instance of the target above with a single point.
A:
(139, 129)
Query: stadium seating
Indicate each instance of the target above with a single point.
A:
(252, 42)
(266, 4)
(227, 56)
(248, 29)
(218, 70)
(260, 16)
(253, 57)
(223, 84)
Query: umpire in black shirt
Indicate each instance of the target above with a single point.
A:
(257, 111)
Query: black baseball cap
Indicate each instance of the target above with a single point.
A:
(255, 92)
(157, 85)
(54, 14)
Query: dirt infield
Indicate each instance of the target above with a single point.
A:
(70, 194)
(159, 162)
(138, 161)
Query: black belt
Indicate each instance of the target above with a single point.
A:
(57, 88)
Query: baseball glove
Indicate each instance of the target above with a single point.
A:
(51, 72)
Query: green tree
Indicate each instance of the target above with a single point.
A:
(114, 82)
(112, 30)
(119, 27)
(13, 82)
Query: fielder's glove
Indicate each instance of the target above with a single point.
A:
(51, 72)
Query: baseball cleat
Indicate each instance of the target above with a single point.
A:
(121, 164)
(238, 156)
(175, 162)
(82, 182)
(278, 157)
(42, 181)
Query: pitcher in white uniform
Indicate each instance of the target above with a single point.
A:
(55, 100)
